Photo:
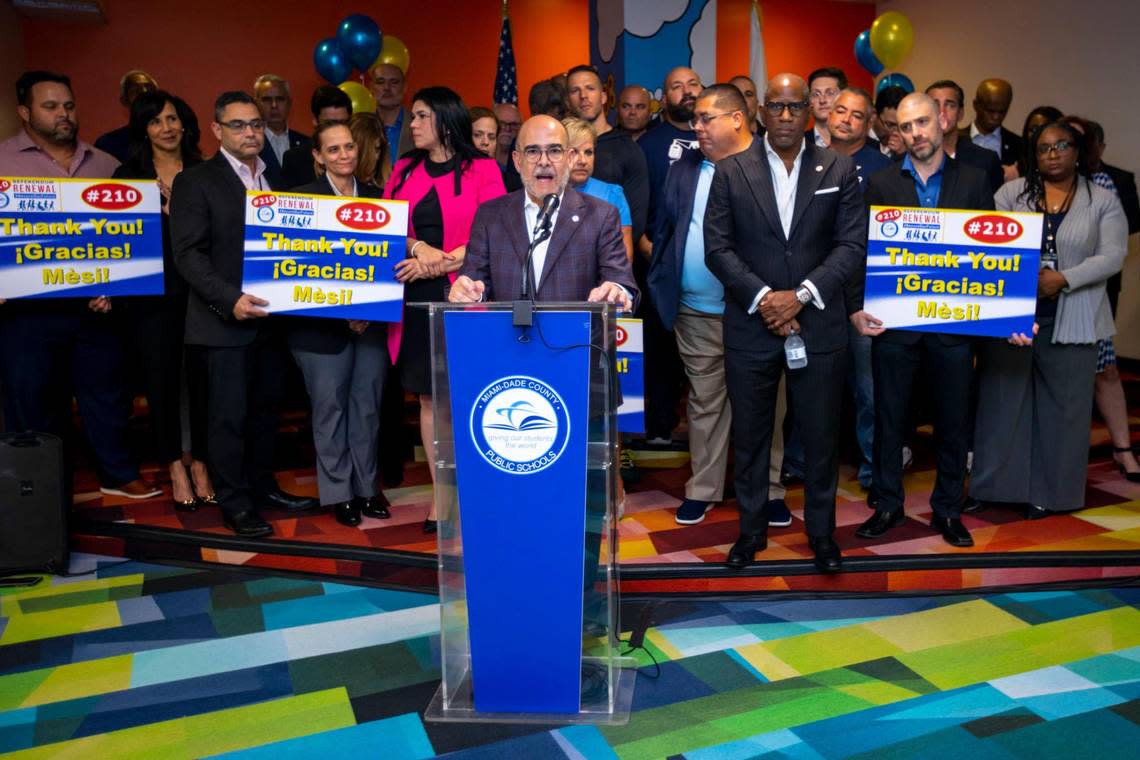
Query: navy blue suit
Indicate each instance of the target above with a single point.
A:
(671, 224)
(273, 169)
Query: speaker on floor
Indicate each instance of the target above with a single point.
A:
(33, 508)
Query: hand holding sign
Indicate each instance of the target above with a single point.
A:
(246, 307)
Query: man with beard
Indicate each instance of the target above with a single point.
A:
(785, 232)
(633, 110)
(616, 157)
(48, 342)
(582, 259)
(929, 178)
(663, 145)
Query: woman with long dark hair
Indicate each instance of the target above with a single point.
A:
(1036, 393)
(1038, 117)
(164, 138)
(343, 362)
(374, 163)
(443, 179)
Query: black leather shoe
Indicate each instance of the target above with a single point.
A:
(248, 524)
(879, 523)
(374, 506)
(430, 526)
(347, 513)
(827, 557)
(286, 501)
(952, 530)
(972, 505)
(744, 551)
(1034, 512)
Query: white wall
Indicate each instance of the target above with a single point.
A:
(11, 66)
(1082, 57)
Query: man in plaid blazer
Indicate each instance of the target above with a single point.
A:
(579, 255)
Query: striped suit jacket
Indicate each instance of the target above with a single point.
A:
(585, 249)
(1092, 242)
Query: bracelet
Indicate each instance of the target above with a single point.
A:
(412, 253)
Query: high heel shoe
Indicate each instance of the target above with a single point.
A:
(1132, 477)
(190, 505)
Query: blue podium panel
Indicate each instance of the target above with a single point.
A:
(520, 415)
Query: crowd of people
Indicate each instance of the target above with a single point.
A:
(725, 220)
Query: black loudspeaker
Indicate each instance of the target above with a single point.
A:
(33, 508)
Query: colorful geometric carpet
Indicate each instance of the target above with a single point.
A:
(146, 661)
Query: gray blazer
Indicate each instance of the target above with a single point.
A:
(1092, 242)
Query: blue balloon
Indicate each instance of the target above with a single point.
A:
(865, 55)
(360, 39)
(895, 79)
(331, 62)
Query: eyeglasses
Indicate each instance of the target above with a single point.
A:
(239, 126)
(1060, 146)
(704, 119)
(533, 153)
(776, 108)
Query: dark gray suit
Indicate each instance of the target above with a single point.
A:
(745, 247)
(244, 364)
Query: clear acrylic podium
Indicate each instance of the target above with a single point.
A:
(480, 643)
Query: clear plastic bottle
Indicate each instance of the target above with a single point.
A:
(795, 351)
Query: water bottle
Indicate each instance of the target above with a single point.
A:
(795, 351)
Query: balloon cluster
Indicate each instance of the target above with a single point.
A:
(884, 46)
(358, 44)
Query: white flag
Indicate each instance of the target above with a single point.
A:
(756, 68)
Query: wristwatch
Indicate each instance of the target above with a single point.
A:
(803, 295)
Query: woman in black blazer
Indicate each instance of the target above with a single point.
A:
(164, 141)
(343, 362)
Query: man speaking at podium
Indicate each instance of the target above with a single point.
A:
(578, 254)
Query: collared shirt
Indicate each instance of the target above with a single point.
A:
(21, 157)
(700, 289)
(278, 142)
(392, 132)
(531, 210)
(821, 135)
(927, 191)
(355, 190)
(784, 185)
(252, 180)
(992, 141)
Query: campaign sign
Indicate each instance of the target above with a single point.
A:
(325, 256)
(71, 238)
(960, 272)
(631, 376)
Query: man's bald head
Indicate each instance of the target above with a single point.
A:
(919, 126)
(682, 86)
(748, 89)
(787, 81)
(634, 108)
(991, 104)
(789, 93)
(542, 173)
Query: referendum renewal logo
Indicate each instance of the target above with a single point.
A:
(520, 425)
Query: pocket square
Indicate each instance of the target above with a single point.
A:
(827, 190)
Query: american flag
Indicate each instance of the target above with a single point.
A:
(506, 78)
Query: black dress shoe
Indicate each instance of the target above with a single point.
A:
(278, 499)
(347, 513)
(744, 551)
(1034, 512)
(972, 505)
(827, 557)
(247, 524)
(952, 530)
(374, 506)
(430, 526)
(879, 523)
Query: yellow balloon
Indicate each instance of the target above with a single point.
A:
(361, 97)
(892, 37)
(393, 52)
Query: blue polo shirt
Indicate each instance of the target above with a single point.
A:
(868, 160)
(927, 193)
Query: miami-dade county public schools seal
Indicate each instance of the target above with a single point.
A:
(520, 425)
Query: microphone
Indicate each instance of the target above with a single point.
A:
(524, 306)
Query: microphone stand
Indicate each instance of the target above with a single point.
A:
(523, 308)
